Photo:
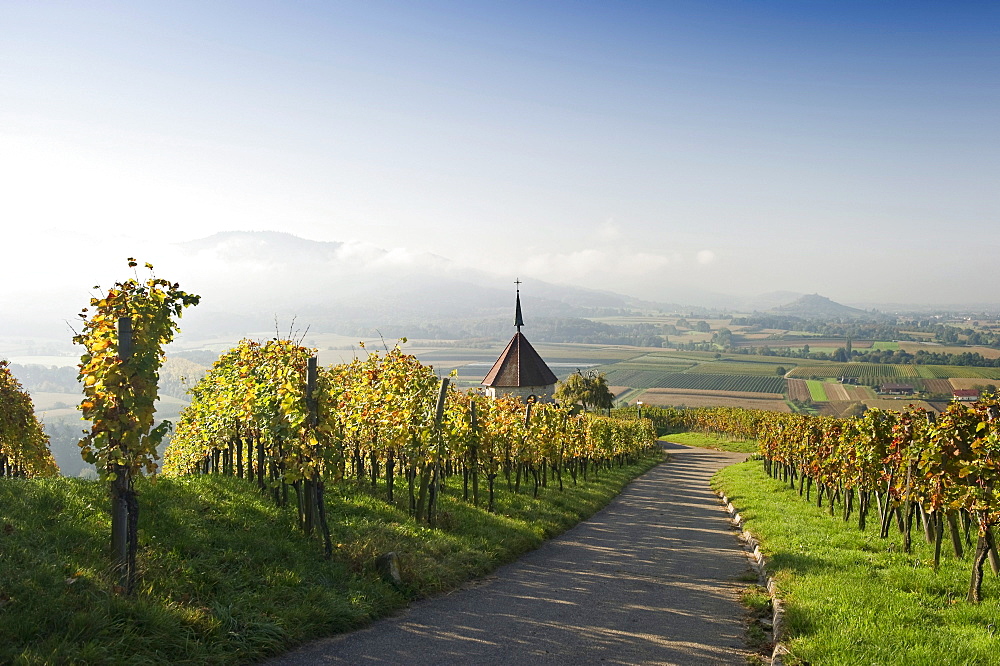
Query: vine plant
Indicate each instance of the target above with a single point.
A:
(123, 335)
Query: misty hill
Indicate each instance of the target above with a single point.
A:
(247, 279)
(814, 306)
(768, 302)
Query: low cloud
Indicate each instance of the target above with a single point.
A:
(592, 267)
(609, 231)
(705, 257)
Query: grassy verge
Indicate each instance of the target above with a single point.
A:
(708, 441)
(853, 598)
(228, 577)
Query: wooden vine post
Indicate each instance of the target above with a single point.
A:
(311, 482)
(474, 451)
(124, 504)
(436, 486)
(123, 338)
(315, 498)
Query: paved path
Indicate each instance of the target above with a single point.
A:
(650, 579)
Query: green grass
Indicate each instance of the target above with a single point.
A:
(817, 392)
(227, 577)
(853, 598)
(710, 441)
(883, 345)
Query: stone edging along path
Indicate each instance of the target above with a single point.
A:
(653, 578)
(760, 566)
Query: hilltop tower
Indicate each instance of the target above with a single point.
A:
(520, 371)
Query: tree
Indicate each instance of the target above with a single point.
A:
(589, 390)
(724, 338)
(855, 410)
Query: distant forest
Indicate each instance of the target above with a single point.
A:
(543, 329)
(908, 330)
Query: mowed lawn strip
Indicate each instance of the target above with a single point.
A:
(817, 392)
(227, 576)
(711, 441)
(853, 598)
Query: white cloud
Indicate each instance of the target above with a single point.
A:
(609, 231)
(593, 267)
(705, 257)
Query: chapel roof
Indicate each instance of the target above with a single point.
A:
(519, 365)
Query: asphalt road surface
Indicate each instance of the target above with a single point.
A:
(653, 578)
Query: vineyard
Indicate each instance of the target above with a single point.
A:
(710, 382)
(938, 476)
(647, 379)
(641, 377)
(730, 367)
(24, 450)
(267, 435)
(866, 372)
(949, 371)
(266, 412)
(691, 398)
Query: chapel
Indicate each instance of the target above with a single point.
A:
(520, 371)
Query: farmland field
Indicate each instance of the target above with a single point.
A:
(671, 397)
(732, 367)
(750, 395)
(707, 382)
(642, 378)
(914, 347)
(939, 385)
(877, 370)
(858, 393)
(870, 371)
(835, 392)
(798, 389)
(969, 382)
(659, 359)
(837, 408)
(796, 342)
(899, 404)
(949, 371)
(815, 370)
(635, 377)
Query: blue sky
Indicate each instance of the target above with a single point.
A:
(651, 148)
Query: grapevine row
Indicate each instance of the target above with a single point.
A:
(384, 420)
(943, 472)
(24, 446)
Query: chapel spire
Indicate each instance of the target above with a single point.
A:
(518, 319)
